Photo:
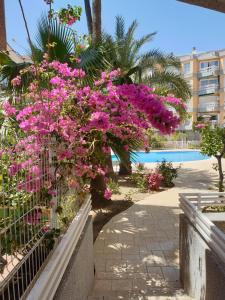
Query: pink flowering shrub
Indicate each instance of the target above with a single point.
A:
(75, 122)
(200, 126)
(153, 180)
(107, 194)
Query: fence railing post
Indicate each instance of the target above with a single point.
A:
(54, 200)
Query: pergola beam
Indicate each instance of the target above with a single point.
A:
(218, 5)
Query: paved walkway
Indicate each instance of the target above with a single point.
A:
(136, 253)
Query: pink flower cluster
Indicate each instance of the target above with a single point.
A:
(8, 109)
(16, 81)
(79, 120)
(154, 180)
(200, 126)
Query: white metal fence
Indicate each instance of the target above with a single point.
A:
(181, 144)
(28, 222)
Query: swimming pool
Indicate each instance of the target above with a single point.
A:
(174, 156)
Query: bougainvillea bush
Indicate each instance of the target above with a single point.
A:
(58, 114)
(153, 181)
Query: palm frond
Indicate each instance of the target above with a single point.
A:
(143, 40)
(120, 28)
(11, 70)
(4, 58)
(51, 31)
(172, 82)
(118, 148)
(93, 61)
(152, 59)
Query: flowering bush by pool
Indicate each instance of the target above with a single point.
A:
(174, 156)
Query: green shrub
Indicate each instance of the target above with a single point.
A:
(113, 186)
(140, 167)
(156, 141)
(139, 179)
(168, 172)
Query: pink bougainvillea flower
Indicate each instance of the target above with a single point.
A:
(108, 194)
(34, 217)
(65, 154)
(71, 120)
(200, 126)
(99, 120)
(52, 192)
(9, 110)
(14, 169)
(46, 228)
(126, 147)
(16, 81)
(154, 180)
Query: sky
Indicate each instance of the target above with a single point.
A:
(179, 26)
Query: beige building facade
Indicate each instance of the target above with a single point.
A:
(205, 73)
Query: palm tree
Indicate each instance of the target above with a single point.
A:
(97, 22)
(63, 39)
(94, 19)
(88, 16)
(153, 67)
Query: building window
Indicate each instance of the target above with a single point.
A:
(186, 68)
(208, 64)
(206, 82)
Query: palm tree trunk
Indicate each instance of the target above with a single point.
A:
(220, 170)
(3, 42)
(126, 169)
(97, 21)
(98, 187)
(111, 174)
(88, 16)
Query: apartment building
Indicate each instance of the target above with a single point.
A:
(205, 73)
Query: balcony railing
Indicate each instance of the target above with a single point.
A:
(209, 89)
(210, 71)
(209, 107)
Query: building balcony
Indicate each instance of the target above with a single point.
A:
(187, 75)
(210, 71)
(208, 89)
(210, 107)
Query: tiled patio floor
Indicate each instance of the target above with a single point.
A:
(136, 253)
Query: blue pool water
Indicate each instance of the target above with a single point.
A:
(174, 156)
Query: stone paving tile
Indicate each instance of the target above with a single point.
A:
(116, 255)
(136, 275)
(122, 285)
(136, 257)
(137, 251)
(102, 285)
(136, 266)
(152, 245)
(156, 258)
(100, 265)
(111, 275)
(116, 265)
(170, 273)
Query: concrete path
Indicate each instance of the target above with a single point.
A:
(137, 252)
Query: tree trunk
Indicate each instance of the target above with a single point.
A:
(3, 42)
(98, 187)
(221, 177)
(111, 174)
(97, 21)
(88, 16)
(126, 169)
